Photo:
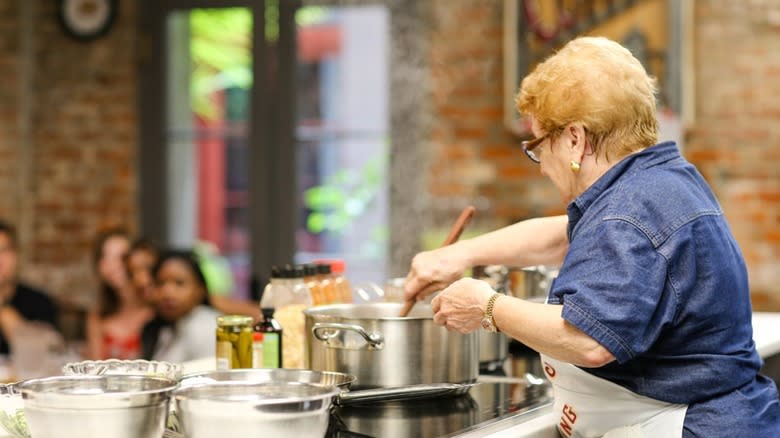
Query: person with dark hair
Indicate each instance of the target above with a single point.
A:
(139, 262)
(184, 324)
(114, 326)
(18, 302)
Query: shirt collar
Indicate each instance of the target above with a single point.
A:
(649, 157)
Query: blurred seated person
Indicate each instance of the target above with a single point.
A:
(114, 326)
(219, 279)
(139, 262)
(18, 302)
(184, 324)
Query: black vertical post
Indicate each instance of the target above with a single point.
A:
(260, 153)
(152, 159)
(286, 190)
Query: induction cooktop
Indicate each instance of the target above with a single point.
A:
(495, 397)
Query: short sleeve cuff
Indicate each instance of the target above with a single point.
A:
(581, 319)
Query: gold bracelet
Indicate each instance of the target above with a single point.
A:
(489, 310)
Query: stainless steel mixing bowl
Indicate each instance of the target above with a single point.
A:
(119, 406)
(249, 409)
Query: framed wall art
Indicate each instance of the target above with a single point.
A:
(658, 33)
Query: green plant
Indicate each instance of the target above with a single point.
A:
(344, 196)
(221, 55)
(221, 48)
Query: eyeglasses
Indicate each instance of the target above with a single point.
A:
(529, 146)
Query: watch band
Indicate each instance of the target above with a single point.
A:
(489, 309)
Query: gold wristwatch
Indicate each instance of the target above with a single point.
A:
(488, 323)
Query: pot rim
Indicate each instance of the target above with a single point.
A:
(323, 311)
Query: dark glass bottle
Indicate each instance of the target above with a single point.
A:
(272, 338)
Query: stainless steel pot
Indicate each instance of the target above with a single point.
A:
(120, 406)
(371, 342)
(533, 282)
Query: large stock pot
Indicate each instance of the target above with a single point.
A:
(371, 342)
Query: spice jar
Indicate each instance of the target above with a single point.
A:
(234, 342)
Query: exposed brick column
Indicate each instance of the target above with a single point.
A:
(67, 140)
(474, 159)
(9, 104)
(736, 140)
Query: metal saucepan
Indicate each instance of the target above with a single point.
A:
(341, 381)
(371, 342)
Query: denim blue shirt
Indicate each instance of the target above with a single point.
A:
(654, 275)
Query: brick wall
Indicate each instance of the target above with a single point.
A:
(474, 159)
(734, 140)
(9, 101)
(68, 128)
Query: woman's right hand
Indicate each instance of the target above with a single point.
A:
(435, 270)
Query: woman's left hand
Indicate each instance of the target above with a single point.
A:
(461, 306)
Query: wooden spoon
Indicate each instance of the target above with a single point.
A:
(455, 232)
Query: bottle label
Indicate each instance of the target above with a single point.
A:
(257, 354)
(224, 354)
(271, 350)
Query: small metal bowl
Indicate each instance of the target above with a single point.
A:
(120, 406)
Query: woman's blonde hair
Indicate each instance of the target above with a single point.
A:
(597, 82)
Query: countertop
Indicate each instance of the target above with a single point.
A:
(766, 333)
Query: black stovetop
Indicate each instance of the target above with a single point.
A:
(496, 396)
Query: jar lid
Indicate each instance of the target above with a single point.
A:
(309, 269)
(297, 271)
(336, 265)
(231, 320)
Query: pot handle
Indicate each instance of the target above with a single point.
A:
(324, 332)
(401, 393)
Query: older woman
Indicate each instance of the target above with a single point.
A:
(647, 329)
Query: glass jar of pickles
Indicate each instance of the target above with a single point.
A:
(234, 342)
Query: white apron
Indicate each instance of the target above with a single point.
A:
(587, 406)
